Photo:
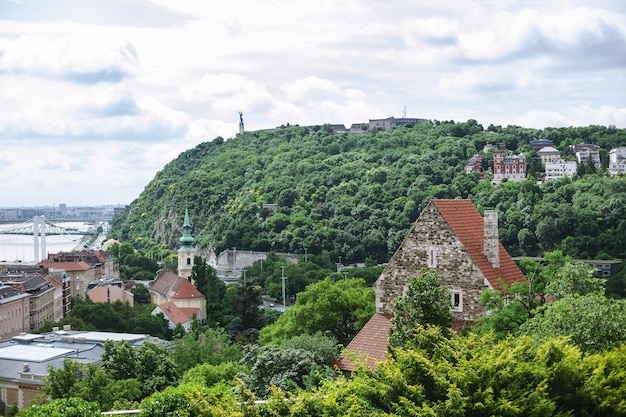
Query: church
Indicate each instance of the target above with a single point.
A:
(173, 293)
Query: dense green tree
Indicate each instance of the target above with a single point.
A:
(372, 189)
(426, 302)
(61, 382)
(242, 315)
(207, 282)
(210, 346)
(286, 368)
(338, 308)
(592, 321)
(64, 407)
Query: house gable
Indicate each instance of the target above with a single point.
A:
(449, 238)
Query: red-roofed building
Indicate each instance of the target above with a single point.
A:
(79, 273)
(177, 288)
(176, 315)
(170, 287)
(453, 239)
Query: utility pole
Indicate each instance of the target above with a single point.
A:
(305, 251)
(283, 278)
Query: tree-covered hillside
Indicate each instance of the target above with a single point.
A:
(355, 196)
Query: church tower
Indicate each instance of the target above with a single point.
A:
(187, 250)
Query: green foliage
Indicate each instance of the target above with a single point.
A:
(288, 369)
(592, 321)
(473, 375)
(325, 349)
(210, 346)
(206, 281)
(338, 308)
(191, 400)
(426, 302)
(242, 317)
(207, 374)
(356, 196)
(65, 407)
(61, 382)
(150, 364)
(115, 317)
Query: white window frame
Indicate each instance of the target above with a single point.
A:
(453, 295)
(431, 257)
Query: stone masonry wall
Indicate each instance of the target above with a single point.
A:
(432, 244)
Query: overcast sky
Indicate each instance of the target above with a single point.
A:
(96, 96)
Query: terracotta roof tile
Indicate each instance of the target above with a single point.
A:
(169, 285)
(68, 266)
(371, 341)
(468, 225)
(174, 313)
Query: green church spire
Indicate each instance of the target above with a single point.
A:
(187, 240)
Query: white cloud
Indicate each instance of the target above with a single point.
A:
(128, 94)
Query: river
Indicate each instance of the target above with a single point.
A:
(21, 247)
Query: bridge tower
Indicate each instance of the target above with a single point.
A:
(39, 230)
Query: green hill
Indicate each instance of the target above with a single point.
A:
(355, 196)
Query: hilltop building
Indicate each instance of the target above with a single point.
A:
(511, 167)
(538, 144)
(587, 153)
(559, 169)
(451, 238)
(549, 154)
(475, 163)
(617, 161)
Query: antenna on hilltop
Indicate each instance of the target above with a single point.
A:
(240, 123)
(404, 112)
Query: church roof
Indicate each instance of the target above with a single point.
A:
(176, 314)
(171, 286)
(468, 226)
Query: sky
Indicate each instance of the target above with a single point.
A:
(97, 96)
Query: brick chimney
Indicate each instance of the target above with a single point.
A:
(491, 246)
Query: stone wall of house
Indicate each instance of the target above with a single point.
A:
(432, 244)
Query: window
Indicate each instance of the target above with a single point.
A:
(457, 300)
(431, 257)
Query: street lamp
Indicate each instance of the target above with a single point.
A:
(283, 278)
(305, 251)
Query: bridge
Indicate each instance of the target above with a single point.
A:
(39, 228)
(50, 229)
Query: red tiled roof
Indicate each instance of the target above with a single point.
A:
(53, 281)
(468, 225)
(371, 341)
(174, 313)
(169, 285)
(185, 289)
(68, 266)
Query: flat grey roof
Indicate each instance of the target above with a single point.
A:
(32, 353)
(104, 336)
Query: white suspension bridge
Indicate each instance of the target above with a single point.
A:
(40, 227)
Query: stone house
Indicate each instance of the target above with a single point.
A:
(453, 239)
